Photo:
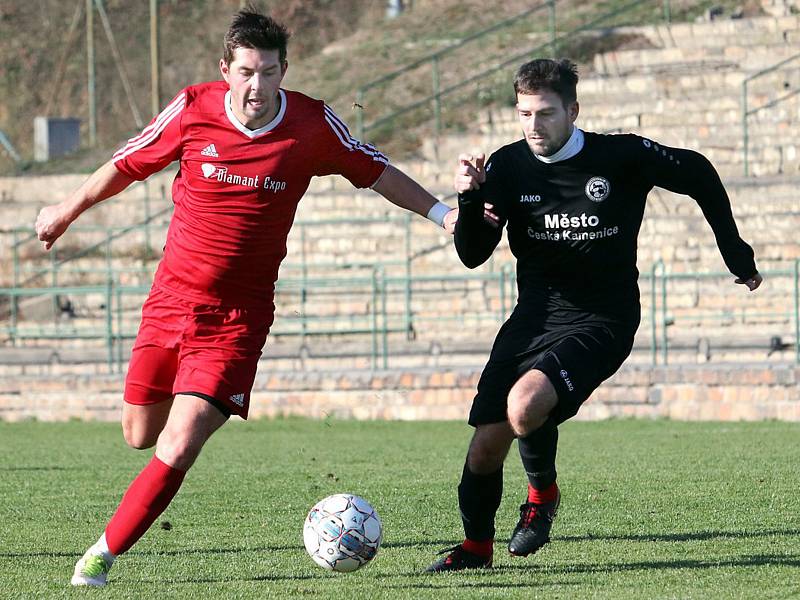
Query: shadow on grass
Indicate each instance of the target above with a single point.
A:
(50, 468)
(227, 550)
(757, 560)
(461, 583)
(437, 545)
(188, 580)
(679, 537)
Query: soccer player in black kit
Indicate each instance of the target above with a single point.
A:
(572, 202)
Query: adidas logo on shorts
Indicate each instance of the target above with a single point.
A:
(237, 399)
(210, 150)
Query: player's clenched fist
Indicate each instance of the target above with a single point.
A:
(470, 173)
(50, 224)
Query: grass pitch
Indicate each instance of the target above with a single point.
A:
(650, 509)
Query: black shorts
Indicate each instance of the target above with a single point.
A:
(576, 357)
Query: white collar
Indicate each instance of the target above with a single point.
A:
(252, 133)
(571, 148)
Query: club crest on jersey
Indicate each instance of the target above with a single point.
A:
(598, 189)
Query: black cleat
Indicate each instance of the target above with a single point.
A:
(458, 559)
(533, 529)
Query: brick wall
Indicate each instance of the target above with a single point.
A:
(694, 392)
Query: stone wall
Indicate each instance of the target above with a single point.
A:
(719, 392)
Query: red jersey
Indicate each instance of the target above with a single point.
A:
(237, 189)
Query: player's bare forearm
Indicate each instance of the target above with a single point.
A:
(399, 189)
(54, 220)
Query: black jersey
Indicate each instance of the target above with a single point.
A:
(573, 225)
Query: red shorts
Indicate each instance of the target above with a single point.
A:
(204, 350)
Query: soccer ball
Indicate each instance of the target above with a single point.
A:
(342, 532)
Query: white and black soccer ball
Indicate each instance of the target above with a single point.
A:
(342, 532)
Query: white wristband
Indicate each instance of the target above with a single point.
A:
(437, 213)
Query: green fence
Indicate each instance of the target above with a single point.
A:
(784, 309)
(110, 313)
(392, 308)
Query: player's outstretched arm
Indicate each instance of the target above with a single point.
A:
(399, 189)
(689, 172)
(53, 220)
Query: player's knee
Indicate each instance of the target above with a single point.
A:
(525, 413)
(485, 457)
(482, 462)
(138, 437)
(177, 449)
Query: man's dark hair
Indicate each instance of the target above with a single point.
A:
(251, 29)
(559, 76)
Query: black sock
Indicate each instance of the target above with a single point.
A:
(479, 498)
(538, 453)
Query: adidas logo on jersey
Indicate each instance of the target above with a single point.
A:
(210, 150)
(237, 399)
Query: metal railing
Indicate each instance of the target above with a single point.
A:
(113, 316)
(434, 60)
(391, 307)
(9, 147)
(746, 111)
(661, 318)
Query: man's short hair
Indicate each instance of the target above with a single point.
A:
(559, 76)
(251, 29)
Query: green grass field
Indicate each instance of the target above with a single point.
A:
(650, 509)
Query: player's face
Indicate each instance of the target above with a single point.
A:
(546, 122)
(254, 77)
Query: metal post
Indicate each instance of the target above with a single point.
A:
(119, 334)
(54, 277)
(667, 12)
(109, 326)
(155, 71)
(437, 102)
(653, 312)
(374, 328)
(14, 298)
(385, 317)
(91, 73)
(109, 265)
(745, 137)
(797, 310)
(409, 326)
(664, 352)
(304, 285)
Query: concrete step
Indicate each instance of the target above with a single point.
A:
(753, 57)
(723, 32)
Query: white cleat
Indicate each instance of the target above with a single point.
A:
(92, 569)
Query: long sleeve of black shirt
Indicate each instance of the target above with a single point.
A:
(475, 238)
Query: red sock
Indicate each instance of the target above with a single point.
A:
(548, 494)
(483, 548)
(146, 498)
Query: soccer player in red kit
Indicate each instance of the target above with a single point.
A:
(247, 150)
